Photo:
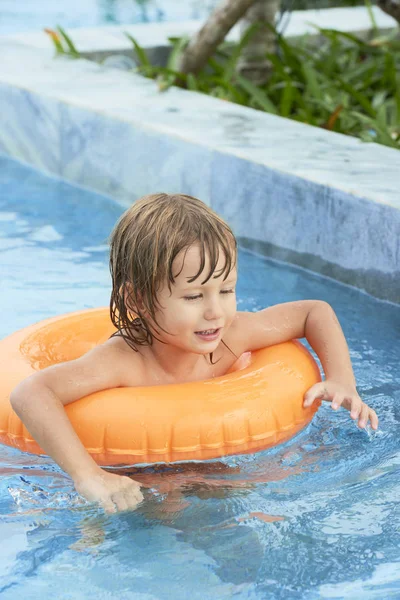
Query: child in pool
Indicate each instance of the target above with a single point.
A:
(173, 267)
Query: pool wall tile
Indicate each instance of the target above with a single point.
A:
(314, 226)
(292, 213)
(30, 128)
(127, 162)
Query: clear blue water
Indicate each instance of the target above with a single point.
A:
(314, 518)
(27, 15)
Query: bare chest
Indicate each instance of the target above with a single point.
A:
(208, 368)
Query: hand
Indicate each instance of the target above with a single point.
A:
(113, 492)
(341, 395)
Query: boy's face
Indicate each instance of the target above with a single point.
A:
(196, 316)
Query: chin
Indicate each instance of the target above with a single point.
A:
(207, 352)
(208, 349)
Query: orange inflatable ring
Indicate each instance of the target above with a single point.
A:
(256, 405)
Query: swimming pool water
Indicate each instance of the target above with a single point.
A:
(28, 15)
(314, 518)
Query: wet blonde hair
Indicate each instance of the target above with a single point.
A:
(143, 246)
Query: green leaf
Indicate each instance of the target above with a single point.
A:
(360, 98)
(372, 17)
(311, 78)
(139, 51)
(335, 34)
(230, 89)
(389, 71)
(72, 50)
(214, 64)
(176, 53)
(55, 38)
(287, 99)
(290, 56)
(329, 60)
(378, 99)
(382, 134)
(257, 95)
(192, 83)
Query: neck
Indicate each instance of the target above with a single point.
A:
(177, 364)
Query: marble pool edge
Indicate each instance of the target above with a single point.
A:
(321, 200)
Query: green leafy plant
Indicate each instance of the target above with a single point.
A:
(343, 83)
(62, 42)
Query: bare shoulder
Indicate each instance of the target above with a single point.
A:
(125, 362)
(109, 365)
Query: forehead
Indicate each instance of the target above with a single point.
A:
(187, 264)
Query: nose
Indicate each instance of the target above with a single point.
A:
(213, 310)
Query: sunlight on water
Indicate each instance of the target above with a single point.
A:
(314, 518)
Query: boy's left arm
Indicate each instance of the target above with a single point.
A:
(316, 321)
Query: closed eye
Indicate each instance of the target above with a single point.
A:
(198, 296)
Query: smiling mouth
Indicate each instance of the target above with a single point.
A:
(208, 331)
(210, 334)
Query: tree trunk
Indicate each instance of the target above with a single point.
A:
(203, 45)
(253, 63)
(390, 7)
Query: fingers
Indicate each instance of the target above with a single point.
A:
(356, 408)
(126, 498)
(316, 391)
(362, 415)
(109, 506)
(337, 401)
(361, 411)
(341, 397)
(133, 498)
(132, 491)
(367, 414)
(120, 501)
(374, 419)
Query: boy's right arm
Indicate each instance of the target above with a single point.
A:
(39, 401)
